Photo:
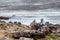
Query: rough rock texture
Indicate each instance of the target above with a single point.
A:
(16, 30)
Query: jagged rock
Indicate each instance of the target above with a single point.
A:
(17, 30)
(30, 34)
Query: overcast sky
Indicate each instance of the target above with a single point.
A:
(28, 4)
(28, 1)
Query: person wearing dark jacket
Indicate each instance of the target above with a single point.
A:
(40, 24)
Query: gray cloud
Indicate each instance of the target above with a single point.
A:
(28, 4)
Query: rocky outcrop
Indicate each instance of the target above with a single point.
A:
(37, 33)
(4, 18)
(15, 30)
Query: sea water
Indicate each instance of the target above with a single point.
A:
(26, 17)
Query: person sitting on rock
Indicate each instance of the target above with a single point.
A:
(33, 24)
(41, 23)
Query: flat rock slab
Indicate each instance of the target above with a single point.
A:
(23, 38)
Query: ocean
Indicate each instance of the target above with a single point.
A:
(26, 17)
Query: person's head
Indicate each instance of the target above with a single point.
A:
(42, 19)
(34, 20)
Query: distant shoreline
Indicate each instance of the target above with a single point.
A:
(4, 18)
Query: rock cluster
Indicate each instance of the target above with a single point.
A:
(15, 30)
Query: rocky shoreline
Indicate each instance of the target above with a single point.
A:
(16, 30)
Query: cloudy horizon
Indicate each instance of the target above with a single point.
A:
(28, 5)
